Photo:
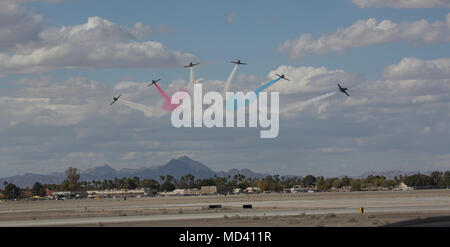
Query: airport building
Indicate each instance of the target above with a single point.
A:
(116, 193)
(204, 190)
(208, 190)
(252, 190)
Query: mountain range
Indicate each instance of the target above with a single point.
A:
(175, 167)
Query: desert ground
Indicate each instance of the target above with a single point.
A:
(299, 209)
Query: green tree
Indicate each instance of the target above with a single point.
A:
(309, 181)
(446, 178)
(418, 180)
(337, 183)
(38, 189)
(206, 182)
(63, 186)
(150, 183)
(167, 186)
(355, 184)
(11, 191)
(436, 177)
(72, 178)
(322, 184)
(130, 184)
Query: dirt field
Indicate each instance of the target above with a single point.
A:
(302, 209)
(328, 220)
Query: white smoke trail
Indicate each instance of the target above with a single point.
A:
(191, 78)
(190, 86)
(147, 110)
(299, 106)
(230, 78)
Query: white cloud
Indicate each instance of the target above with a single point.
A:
(40, 111)
(408, 4)
(41, 102)
(96, 44)
(365, 33)
(17, 26)
(413, 68)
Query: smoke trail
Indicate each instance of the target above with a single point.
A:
(190, 84)
(167, 98)
(230, 78)
(191, 77)
(167, 105)
(230, 104)
(298, 106)
(148, 111)
(258, 90)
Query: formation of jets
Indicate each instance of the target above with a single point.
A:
(153, 82)
(238, 62)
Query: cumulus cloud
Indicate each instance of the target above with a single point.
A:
(40, 101)
(18, 26)
(365, 33)
(98, 43)
(41, 111)
(52, 104)
(409, 83)
(413, 68)
(407, 4)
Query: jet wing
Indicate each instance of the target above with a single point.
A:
(346, 93)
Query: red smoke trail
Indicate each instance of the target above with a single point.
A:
(166, 105)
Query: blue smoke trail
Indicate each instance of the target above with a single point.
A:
(258, 90)
(230, 104)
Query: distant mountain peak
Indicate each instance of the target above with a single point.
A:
(184, 158)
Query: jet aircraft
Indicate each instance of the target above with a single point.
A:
(282, 77)
(115, 99)
(239, 62)
(153, 82)
(191, 65)
(343, 89)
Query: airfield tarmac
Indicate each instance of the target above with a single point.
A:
(300, 209)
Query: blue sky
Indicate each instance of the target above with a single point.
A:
(200, 27)
(55, 76)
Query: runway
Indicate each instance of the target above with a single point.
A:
(268, 213)
(195, 208)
